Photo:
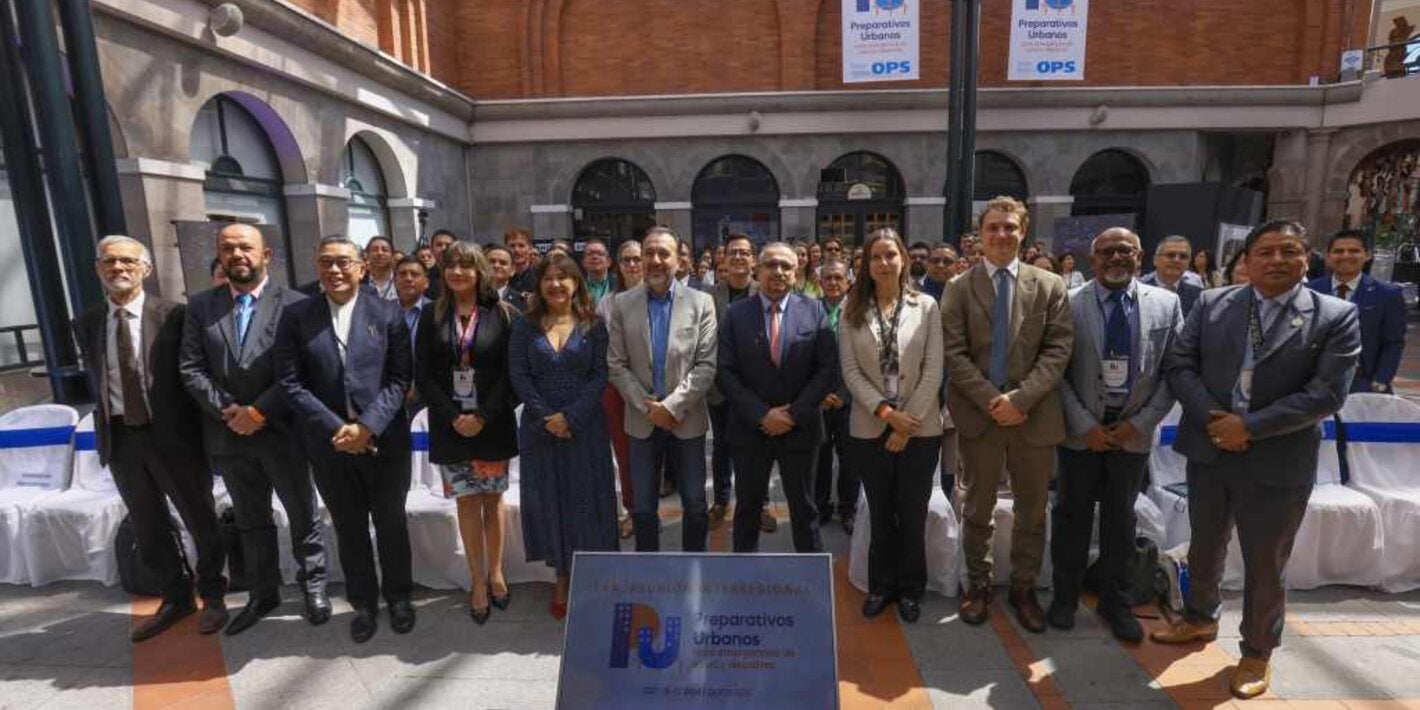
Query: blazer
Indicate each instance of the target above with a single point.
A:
(1304, 371)
(1082, 389)
(919, 360)
(375, 375)
(218, 370)
(751, 383)
(1187, 290)
(435, 361)
(840, 388)
(720, 291)
(1042, 336)
(175, 420)
(690, 359)
(1381, 306)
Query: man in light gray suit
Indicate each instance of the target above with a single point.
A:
(1252, 442)
(1114, 396)
(661, 358)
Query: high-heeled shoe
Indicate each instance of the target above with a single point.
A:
(502, 601)
(480, 616)
(558, 609)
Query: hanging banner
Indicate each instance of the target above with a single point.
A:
(1048, 40)
(880, 40)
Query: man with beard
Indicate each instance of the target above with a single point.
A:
(148, 434)
(228, 367)
(520, 246)
(919, 252)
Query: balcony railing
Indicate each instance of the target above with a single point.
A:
(1409, 65)
(17, 332)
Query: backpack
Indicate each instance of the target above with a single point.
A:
(1139, 570)
(1171, 579)
(133, 575)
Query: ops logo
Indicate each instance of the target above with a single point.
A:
(881, 68)
(636, 626)
(1054, 67)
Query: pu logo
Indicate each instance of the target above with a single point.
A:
(883, 5)
(1057, 5)
(635, 626)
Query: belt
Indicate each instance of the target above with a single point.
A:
(1112, 415)
(115, 422)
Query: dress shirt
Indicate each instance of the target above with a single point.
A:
(834, 311)
(135, 329)
(385, 290)
(1014, 268)
(411, 317)
(255, 293)
(658, 311)
(1131, 302)
(1351, 287)
(1268, 310)
(599, 289)
(340, 316)
(772, 319)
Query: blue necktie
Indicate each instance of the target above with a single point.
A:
(1116, 332)
(1001, 329)
(243, 317)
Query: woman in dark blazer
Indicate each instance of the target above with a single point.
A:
(461, 368)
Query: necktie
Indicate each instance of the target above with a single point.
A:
(135, 407)
(243, 314)
(774, 333)
(1342, 291)
(1000, 329)
(1116, 334)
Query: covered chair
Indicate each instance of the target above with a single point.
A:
(69, 536)
(433, 519)
(1168, 476)
(1384, 455)
(943, 538)
(35, 462)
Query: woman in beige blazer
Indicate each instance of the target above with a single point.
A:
(890, 346)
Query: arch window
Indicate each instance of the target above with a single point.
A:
(858, 193)
(367, 213)
(734, 194)
(1383, 195)
(612, 200)
(243, 176)
(1109, 182)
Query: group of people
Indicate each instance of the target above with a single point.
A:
(886, 360)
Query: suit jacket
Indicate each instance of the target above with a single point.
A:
(1381, 306)
(1082, 389)
(720, 291)
(514, 298)
(752, 384)
(175, 420)
(435, 360)
(1042, 336)
(840, 387)
(1187, 290)
(1302, 375)
(919, 360)
(690, 359)
(375, 375)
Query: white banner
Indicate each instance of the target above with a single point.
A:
(880, 40)
(1048, 40)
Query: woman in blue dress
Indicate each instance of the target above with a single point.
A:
(557, 361)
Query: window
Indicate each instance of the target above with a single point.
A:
(734, 194)
(612, 200)
(858, 193)
(367, 215)
(1109, 182)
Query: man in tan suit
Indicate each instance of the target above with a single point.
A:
(1008, 336)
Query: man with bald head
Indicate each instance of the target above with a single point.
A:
(1114, 396)
(228, 367)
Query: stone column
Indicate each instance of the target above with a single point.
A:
(313, 211)
(1318, 156)
(404, 220)
(155, 194)
(798, 217)
(924, 219)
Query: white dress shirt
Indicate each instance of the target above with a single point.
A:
(1351, 287)
(340, 316)
(135, 329)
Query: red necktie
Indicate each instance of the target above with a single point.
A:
(1342, 290)
(774, 333)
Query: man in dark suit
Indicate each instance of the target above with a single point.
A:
(148, 433)
(1171, 258)
(1252, 442)
(344, 362)
(1381, 307)
(500, 268)
(738, 284)
(228, 368)
(833, 279)
(778, 360)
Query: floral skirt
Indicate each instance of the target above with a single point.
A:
(474, 478)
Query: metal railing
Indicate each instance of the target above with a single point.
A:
(1375, 57)
(18, 333)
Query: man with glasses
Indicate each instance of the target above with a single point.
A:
(1171, 259)
(738, 284)
(941, 265)
(596, 262)
(919, 251)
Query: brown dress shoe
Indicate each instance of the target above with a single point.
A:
(1028, 611)
(1186, 632)
(213, 618)
(1251, 678)
(975, 601)
(717, 516)
(169, 612)
(767, 522)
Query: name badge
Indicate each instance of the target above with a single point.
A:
(1116, 373)
(465, 391)
(890, 386)
(1245, 383)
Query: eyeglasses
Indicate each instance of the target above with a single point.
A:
(1173, 254)
(740, 252)
(630, 259)
(1118, 250)
(942, 260)
(126, 262)
(343, 263)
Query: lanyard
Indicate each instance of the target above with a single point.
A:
(463, 341)
(1254, 324)
(887, 347)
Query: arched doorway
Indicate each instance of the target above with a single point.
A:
(367, 214)
(734, 193)
(1109, 182)
(1383, 194)
(612, 200)
(858, 193)
(996, 174)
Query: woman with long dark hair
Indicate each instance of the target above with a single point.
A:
(558, 367)
(890, 347)
(1204, 265)
(628, 275)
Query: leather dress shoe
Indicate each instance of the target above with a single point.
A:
(974, 605)
(847, 522)
(401, 616)
(214, 617)
(1186, 632)
(909, 610)
(1251, 678)
(875, 604)
(317, 607)
(1121, 623)
(363, 626)
(767, 522)
(258, 606)
(1060, 615)
(169, 612)
(825, 515)
(1028, 611)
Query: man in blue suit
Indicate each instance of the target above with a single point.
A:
(1381, 306)
(778, 360)
(344, 362)
(1171, 258)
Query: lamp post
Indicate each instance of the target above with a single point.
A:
(961, 118)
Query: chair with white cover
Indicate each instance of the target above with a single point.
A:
(1168, 468)
(433, 519)
(36, 451)
(943, 543)
(1383, 450)
(69, 536)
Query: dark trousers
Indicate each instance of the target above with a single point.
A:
(721, 475)
(753, 462)
(687, 458)
(146, 478)
(898, 486)
(1267, 518)
(1112, 479)
(272, 464)
(835, 445)
(358, 490)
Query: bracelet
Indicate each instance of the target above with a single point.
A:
(884, 410)
(257, 415)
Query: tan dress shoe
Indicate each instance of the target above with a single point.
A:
(1185, 632)
(974, 605)
(1251, 678)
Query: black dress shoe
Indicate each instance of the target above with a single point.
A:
(501, 602)
(825, 515)
(402, 616)
(1060, 615)
(875, 604)
(169, 612)
(480, 616)
(909, 610)
(214, 617)
(847, 521)
(1121, 623)
(258, 606)
(363, 626)
(317, 607)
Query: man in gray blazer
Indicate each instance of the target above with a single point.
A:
(1252, 442)
(228, 367)
(1114, 397)
(661, 358)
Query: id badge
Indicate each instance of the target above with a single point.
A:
(465, 391)
(890, 386)
(1245, 383)
(1116, 373)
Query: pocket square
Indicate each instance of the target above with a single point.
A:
(373, 330)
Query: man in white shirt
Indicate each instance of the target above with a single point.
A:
(379, 258)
